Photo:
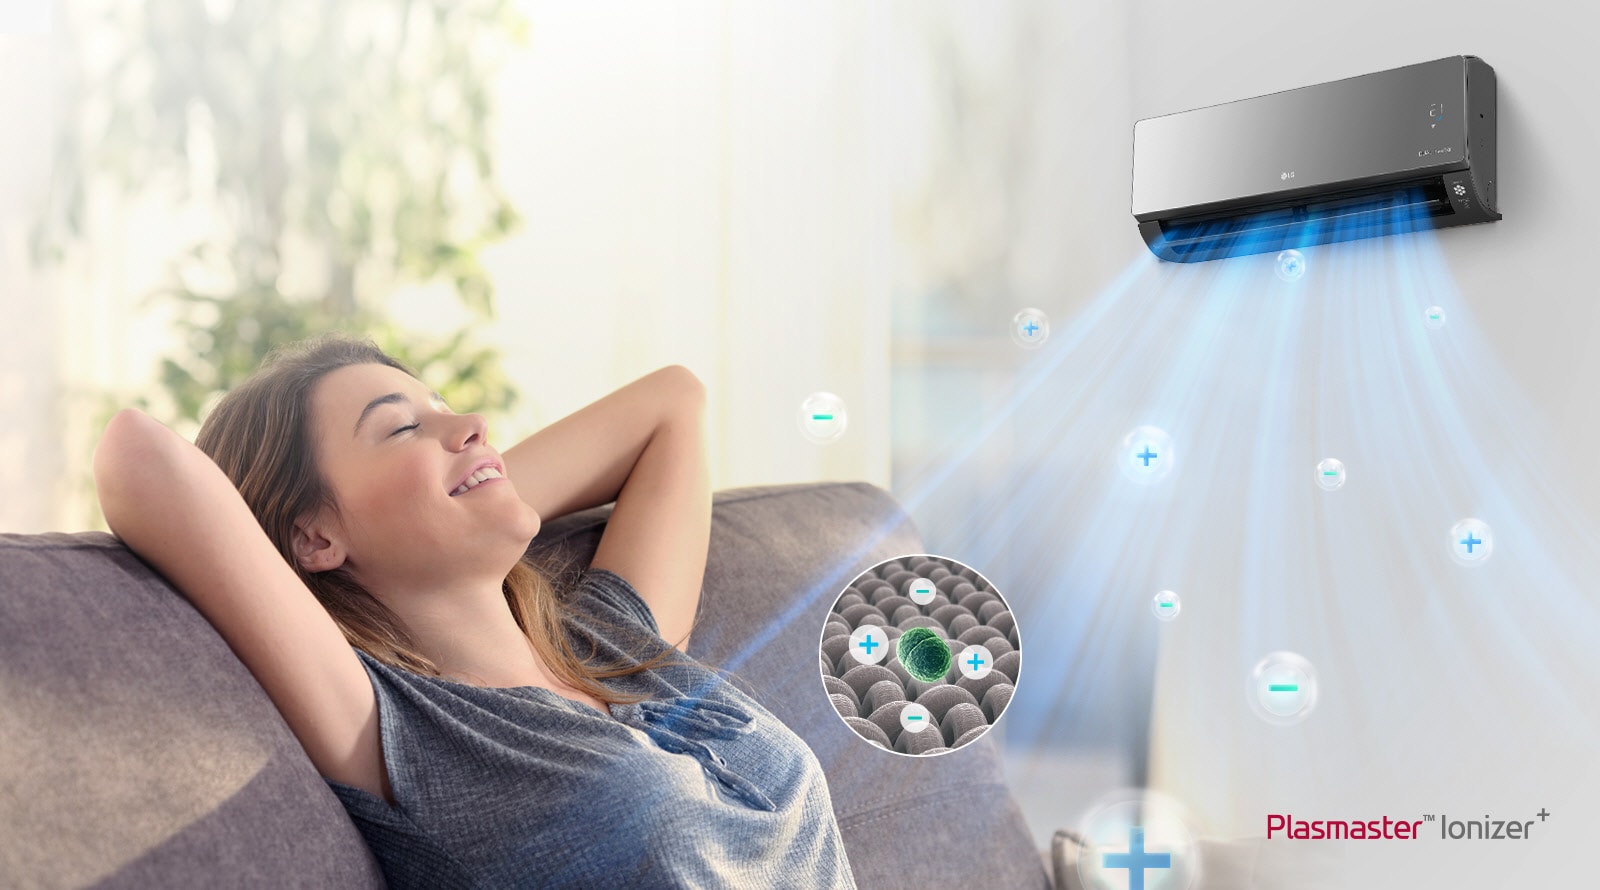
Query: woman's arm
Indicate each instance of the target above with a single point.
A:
(643, 446)
(174, 507)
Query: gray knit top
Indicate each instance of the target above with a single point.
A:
(698, 786)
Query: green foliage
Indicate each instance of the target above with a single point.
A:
(344, 149)
(227, 339)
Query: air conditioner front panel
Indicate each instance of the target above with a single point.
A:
(1391, 125)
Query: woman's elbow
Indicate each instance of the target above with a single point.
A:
(121, 435)
(687, 384)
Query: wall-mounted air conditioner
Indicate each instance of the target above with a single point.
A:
(1394, 151)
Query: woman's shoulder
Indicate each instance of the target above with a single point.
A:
(602, 593)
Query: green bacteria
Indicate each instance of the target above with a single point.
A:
(923, 654)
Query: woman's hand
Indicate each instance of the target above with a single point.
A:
(643, 446)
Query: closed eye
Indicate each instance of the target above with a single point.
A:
(403, 429)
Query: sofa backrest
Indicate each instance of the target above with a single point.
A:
(135, 749)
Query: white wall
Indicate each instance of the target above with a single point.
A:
(1440, 691)
(1444, 689)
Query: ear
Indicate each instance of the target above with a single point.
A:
(313, 550)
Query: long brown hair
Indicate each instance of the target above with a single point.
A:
(259, 433)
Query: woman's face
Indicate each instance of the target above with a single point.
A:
(393, 453)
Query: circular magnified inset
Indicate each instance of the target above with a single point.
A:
(869, 644)
(1291, 265)
(1029, 328)
(1137, 838)
(1434, 317)
(951, 665)
(1147, 454)
(1330, 474)
(822, 417)
(1283, 688)
(1471, 541)
(1166, 605)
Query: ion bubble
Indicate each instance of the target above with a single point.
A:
(1166, 605)
(1283, 688)
(1471, 541)
(915, 718)
(1128, 828)
(869, 644)
(1029, 328)
(976, 661)
(1147, 454)
(1330, 474)
(822, 417)
(1291, 265)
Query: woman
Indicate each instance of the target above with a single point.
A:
(362, 549)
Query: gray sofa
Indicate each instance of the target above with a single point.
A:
(137, 751)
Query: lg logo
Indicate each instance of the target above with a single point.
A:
(1286, 175)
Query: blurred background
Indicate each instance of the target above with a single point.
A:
(532, 203)
(535, 202)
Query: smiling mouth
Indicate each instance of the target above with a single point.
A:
(469, 485)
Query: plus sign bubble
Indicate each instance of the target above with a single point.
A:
(1029, 328)
(869, 644)
(1471, 541)
(1137, 838)
(976, 661)
(1147, 454)
(1291, 265)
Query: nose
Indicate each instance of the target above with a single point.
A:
(476, 427)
